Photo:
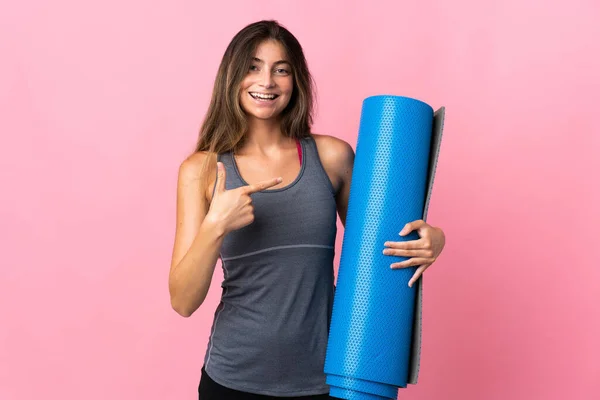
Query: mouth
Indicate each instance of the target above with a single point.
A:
(263, 97)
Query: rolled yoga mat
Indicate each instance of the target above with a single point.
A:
(371, 348)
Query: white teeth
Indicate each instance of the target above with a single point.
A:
(263, 96)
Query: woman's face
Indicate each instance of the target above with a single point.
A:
(267, 88)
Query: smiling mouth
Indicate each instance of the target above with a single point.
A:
(263, 97)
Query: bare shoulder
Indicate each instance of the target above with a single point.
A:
(337, 157)
(192, 165)
(201, 168)
(333, 149)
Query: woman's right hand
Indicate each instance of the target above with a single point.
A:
(232, 209)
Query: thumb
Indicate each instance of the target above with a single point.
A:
(406, 230)
(221, 178)
(412, 226)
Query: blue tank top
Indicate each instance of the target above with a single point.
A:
(270, 329)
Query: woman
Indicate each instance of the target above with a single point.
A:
(262, 193)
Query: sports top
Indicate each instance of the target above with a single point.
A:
(270, 329)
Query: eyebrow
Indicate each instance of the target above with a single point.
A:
(275, 63)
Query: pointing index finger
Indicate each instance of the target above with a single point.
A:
(257, 187)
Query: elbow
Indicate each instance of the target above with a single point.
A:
(185, 312)
(177, 304)
(183, 309)
(181, 303)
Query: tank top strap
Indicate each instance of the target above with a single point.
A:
(314, 168)
(232, 181)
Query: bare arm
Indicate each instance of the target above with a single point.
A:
(337, 157)
(201, 227)
(197, 239)
(345, 167)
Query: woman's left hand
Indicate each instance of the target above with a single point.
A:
(423, 251)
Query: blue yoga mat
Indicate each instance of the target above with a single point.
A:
(371, 333)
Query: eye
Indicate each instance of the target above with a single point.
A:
(253, 68)
(282, 71)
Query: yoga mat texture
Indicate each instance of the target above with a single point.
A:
(374, 338)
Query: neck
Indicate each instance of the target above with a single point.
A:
(264, 136)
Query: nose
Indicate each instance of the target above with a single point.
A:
(267, 79)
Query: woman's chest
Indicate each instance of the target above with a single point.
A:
(291, 217)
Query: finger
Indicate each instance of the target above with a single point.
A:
(411, 226)
(411, 262)
(221, 178)
(257, 187)
(407, 244)
(408, 253)
(417, 274)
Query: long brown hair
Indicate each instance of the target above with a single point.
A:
(225, 124)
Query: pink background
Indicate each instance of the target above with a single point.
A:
(100, 101)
